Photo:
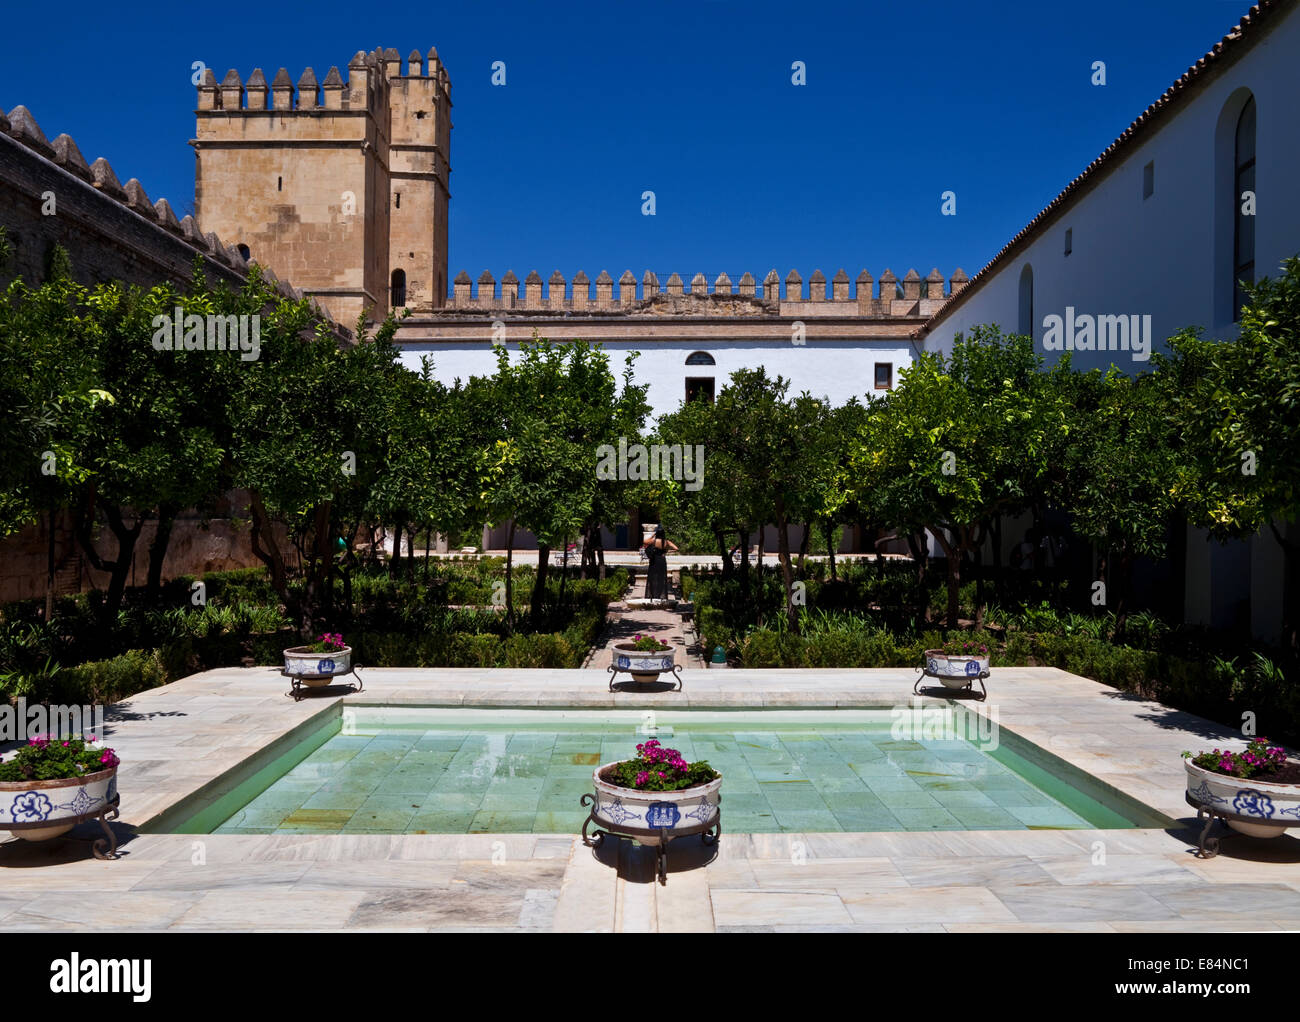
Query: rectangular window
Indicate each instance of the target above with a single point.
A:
(399, 200)
(884, 376)
(700, 387)
(1148, 179)
(1069, 240)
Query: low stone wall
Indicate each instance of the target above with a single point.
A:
(193, 550)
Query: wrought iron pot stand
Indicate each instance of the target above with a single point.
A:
(298, 690)
(614, 670)
(709, 834)
(968, 687)
(100, 847)
(1208, 847)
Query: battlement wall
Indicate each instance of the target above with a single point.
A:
(52, 196)
(911, 297)
(367, 87)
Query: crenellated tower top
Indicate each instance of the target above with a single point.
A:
(340, 183)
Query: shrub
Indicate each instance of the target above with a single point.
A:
(108, 681)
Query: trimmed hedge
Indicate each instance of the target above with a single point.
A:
(107, 681)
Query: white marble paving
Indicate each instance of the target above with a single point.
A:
(181, 738)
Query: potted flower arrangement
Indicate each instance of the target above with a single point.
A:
(56, 782)
(656, 790)
(318, 662)
(1259, 782)
(645, 657)
(958, 662)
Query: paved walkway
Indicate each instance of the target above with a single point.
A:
(625, 619)
(181, 738)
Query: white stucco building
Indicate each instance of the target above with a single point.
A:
(1198, 192)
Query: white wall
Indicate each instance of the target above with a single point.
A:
(1156, 256)
(836, 370)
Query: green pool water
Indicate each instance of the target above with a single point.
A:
(410, 771)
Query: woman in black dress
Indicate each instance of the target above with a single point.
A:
(656, 580)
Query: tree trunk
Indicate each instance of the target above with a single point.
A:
(921, 555)
(266, 549)
(539, 583)
(315, 601)
(829, 528)
(803, 547)
(397, 550)
(997, 559)
(744, 563)
(728, 569)
(49, 569)
(588, 563)
(1290, 588)
(158, 550)
(510, 580)
(952, 552)
(1123, 569)
(787, 570)
(120, 567)
(564, 569)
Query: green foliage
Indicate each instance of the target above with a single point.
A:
(109, 681)
(1236, 408)
(1258, 760)
(51, 759)
(655, 768)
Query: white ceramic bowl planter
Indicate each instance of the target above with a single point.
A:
(645, 667)
(316, 669)
(41, 810)
(954, 670)
(306, 668)
(1271, 807)
(653, 818)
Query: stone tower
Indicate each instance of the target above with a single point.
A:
(339, 186)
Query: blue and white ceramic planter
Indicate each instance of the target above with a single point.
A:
(316, 669)
(644, 667)
(653, 810)
(1276, 805)
(56, 803)
(953, 669)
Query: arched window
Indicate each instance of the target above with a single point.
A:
(699, 358)
(1026, 319)
(243, 251)
(1243, 194)
(399, 289)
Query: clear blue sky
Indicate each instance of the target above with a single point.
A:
(692, 100)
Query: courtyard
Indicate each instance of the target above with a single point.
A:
(194, 738)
